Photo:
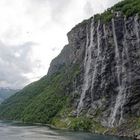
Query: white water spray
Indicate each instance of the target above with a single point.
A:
(87, 67)
(120, 97)
(96, 61)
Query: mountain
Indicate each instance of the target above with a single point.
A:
(6, 93)
(94, 83)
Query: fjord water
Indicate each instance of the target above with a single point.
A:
(14, 131)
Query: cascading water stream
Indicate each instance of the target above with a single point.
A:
(119, 98)
(96, 61)
(98, 38)
(125, 70)
(103, 66)
(126, 51)
(87, 67)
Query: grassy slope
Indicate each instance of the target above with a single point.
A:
(39, 101)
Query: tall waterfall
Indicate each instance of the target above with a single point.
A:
(120, 97)
(87, 67)
(126, 52)
(98, 38)
(126, 71)
(96, 61)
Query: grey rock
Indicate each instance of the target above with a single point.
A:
(111, 84)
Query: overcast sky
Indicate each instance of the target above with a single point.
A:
(33, 32)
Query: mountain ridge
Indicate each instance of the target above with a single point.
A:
(6, 93)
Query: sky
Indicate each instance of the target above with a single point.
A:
(33, 32)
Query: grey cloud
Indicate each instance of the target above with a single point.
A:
(88, 8)
(57, 7)
(15, 62)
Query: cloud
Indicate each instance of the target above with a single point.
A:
(58, 8)
(45, 22)
(15, 63)
(90, 8)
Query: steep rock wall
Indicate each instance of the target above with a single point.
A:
(109, 57)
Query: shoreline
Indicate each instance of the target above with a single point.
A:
(64, 129)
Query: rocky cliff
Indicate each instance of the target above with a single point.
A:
(111, 70)
(109, 58)
(94, 84)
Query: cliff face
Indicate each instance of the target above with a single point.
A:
(73, 52)
(109, 58)
(94, 84)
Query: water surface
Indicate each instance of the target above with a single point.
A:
(14, 131)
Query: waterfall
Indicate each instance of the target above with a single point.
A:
(117, 54)
(126, 50)
(103, 66)
(96, 61)
(87, 67)
(120, 97)
(98, 38)
(125, 71)
(105, 34)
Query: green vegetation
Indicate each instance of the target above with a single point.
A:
(41, 100)
(126, 7)
(73, 123)
(79, 124)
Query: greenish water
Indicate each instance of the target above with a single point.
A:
(14, 131)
